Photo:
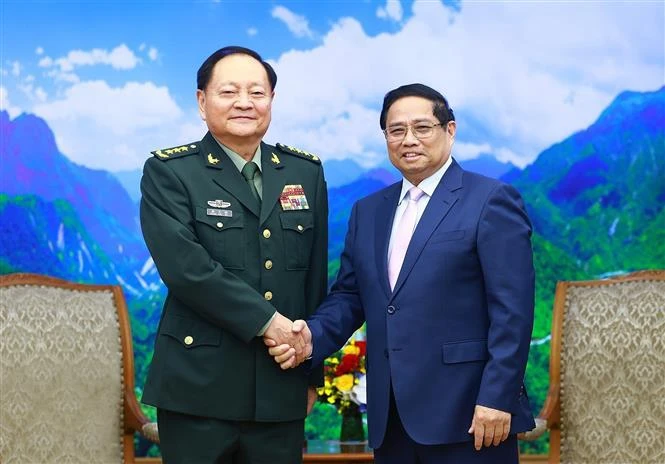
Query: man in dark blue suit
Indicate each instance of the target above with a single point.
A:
(440, 267)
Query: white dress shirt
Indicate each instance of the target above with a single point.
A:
(428, 186)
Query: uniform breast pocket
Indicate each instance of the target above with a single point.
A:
(223, 236)
(298, 230)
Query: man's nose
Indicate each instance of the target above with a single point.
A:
(243, 100)
(409, 138)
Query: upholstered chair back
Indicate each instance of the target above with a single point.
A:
(61, 372)
(612, 369)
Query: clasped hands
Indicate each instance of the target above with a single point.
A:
(290, 343)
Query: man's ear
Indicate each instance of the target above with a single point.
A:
(201, 99)
(452, 128)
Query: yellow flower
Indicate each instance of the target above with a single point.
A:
(351, 349)
(344, 382)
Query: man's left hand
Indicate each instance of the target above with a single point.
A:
(311, 398)
(489, 426)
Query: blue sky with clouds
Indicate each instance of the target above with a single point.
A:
(116, 79)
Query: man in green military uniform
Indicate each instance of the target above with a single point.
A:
(238, 231)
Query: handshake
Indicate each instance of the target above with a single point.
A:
(289, 343)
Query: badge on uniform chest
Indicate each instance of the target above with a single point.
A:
(219, 212)
(293, 198)
(216, 211)
(218, 204)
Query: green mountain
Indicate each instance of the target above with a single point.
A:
(599, 194)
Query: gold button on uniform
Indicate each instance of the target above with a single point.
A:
(188, 340)
(268, 264)
(220, 224)
(268, 295)
(300, 228)
(266, 233)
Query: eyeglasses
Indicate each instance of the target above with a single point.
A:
(421, 130)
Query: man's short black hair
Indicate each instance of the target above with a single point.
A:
(205, 71)
(440, 107)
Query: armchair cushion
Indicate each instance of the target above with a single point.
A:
(65, 373)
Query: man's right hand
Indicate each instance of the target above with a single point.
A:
(286, 354)
(280, 331)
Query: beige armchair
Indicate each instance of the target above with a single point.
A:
(606, 400)
(66, 373)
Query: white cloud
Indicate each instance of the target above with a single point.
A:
(252, 31)
(344, 132)
(520, 76)
(392, 10)
(297, 24)
(5, 104)
(39, 51)
(120, 125)
(40, 94)
(33, 92)
(16, 68)
(45, 62)
(142, 47)
(153, 54)
(58, 75)
(465, 151)
(121, 57)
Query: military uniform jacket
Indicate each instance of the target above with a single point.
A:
(228, 263)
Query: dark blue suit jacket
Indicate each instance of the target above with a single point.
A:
(455, 331)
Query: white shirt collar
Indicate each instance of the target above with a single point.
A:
(427, 185)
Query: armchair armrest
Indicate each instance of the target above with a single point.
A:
(135, 420)
(536, 432)
(548, 418)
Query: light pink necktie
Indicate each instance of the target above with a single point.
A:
(403, 234)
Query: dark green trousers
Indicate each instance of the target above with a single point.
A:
(186, 439)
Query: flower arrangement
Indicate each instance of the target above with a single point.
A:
(344, 378)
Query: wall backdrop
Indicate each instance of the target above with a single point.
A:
(566, 101)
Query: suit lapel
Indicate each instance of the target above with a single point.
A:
(228, 176)
(385, 214)
(274, 179)
(438, 207)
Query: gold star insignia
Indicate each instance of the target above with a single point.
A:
(275, 159)
(212, 159)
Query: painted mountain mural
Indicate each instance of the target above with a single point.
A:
(595, 199)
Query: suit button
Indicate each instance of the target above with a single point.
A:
(266, 233)
(268, 295)
(391, 309)
(268, 264)
(220, 225)
(188, 340)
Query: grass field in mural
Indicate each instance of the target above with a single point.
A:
(595, 199)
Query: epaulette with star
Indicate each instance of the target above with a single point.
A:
(300, 153)
(166, 154)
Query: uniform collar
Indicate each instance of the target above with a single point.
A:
(238, 160)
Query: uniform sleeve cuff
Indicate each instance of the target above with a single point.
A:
(266, 325)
